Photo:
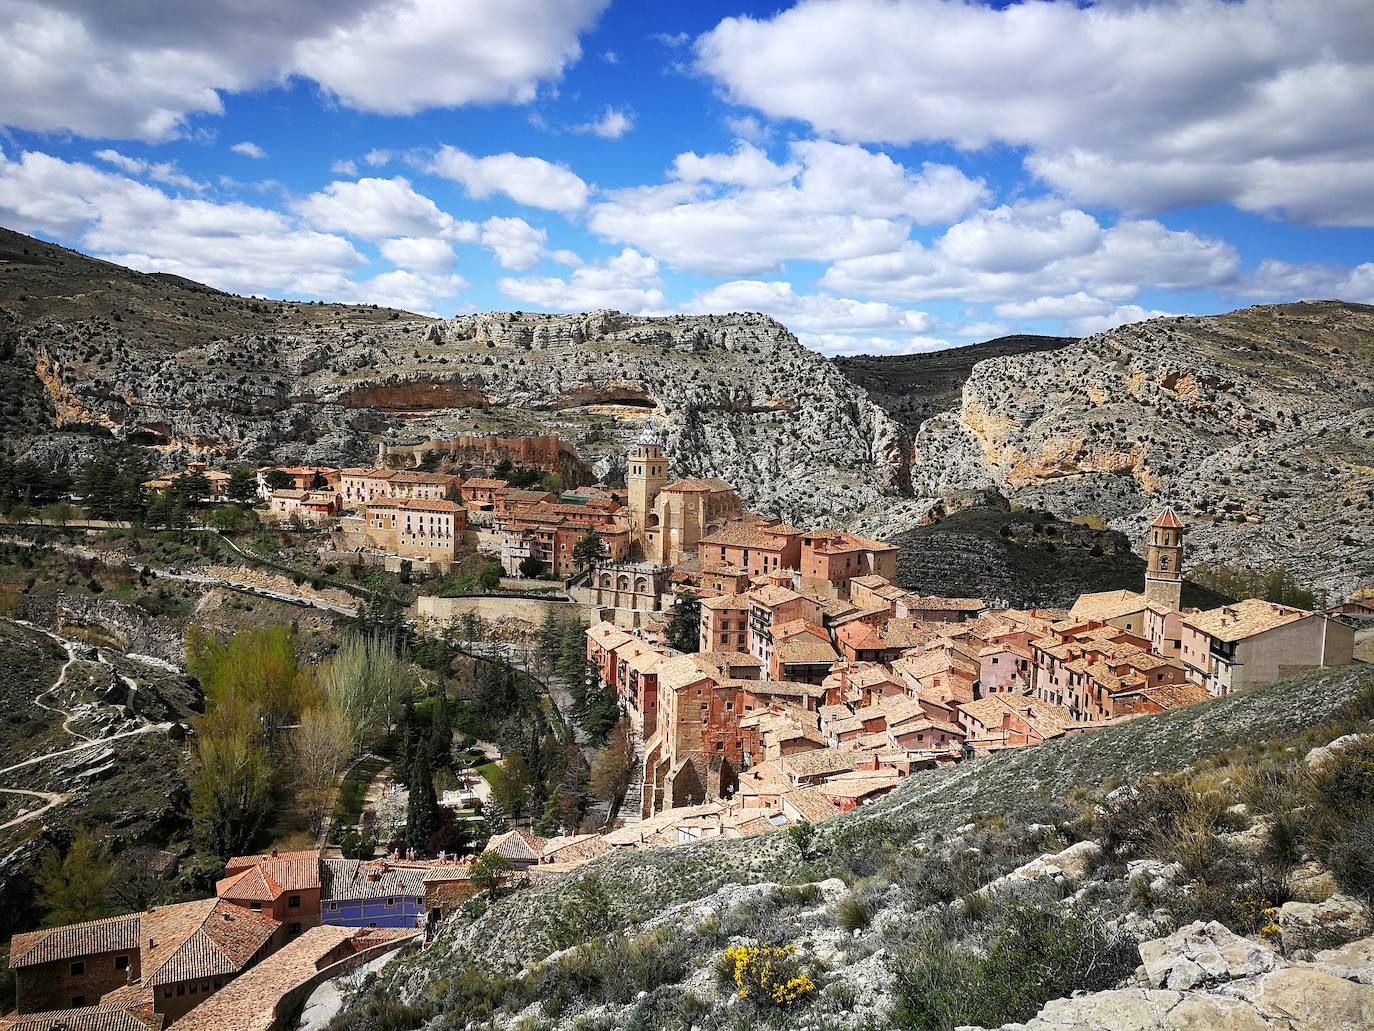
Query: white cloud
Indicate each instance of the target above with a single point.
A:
(613, 124)
(514, 242)
(980, 330)
(232, 246)
(839, 343)
(527, 180)
(565, 257)
(142, 70)
(1070, 306)
(746, 166)
(1276, 280)
(1145, 106)
(1021, 251)
(628, 282)
(249, 149)
(377, 208)
(404, 289)
(158, 171)
(345, 166)
(839, 202)
(376, 157)
(418, 253)
(807, 313)
(1121, 316)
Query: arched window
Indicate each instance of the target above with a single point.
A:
(622, 583)
(606, 580)
(641, 585)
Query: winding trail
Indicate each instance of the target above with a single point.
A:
(56, 798)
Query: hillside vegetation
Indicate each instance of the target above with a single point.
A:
(868, 900)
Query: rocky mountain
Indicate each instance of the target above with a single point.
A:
(1258, 426)
(189, 369)
(914, 387)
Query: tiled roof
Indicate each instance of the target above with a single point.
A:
(725, 601)
(252, 885)
(934, 603)
(249, 1002)
(779, 688)
(772, 596)
(1175, 696)
(205, 938)
(292, 870)
(517, 845)
(810, 804)
(84, 1018)
(112, 934)
(1244, 619)
(749, 535)
(804, 648)
(1046, 718)
(817, 762)
(572, 848)
(481, 483)
(352, 879)
(1106, 605)
(1169, 520)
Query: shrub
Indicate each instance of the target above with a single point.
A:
(1034, 954)
(853, 912)
(1340, 817)
(768, 975)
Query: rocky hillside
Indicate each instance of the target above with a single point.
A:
(1257, 425)
(1087, 864)
(174, 364)
(915, 387)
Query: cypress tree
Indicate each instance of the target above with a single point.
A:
(422, 809)
(441, 734)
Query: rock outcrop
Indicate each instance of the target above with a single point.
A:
(1258, 426)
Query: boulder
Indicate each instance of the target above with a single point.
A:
(1354, 962)
(1319, 757)
(1071, 865)
(1307, 1000)
(1312, 924)
(1204, 954)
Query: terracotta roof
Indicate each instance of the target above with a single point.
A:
(725, 601)
(1045, 718)
(934, 603)
(572, 848)
(750, 535)
(112, 934)
(1106, 605)
(804, 648)
(1175, 696)
(478, 482)
(810, 805)
(1168, 519)
(1244, 619)
(205, 938)
(772, 596)
(517, 845)
(249, 1002)
(817, 762)
(84, 1018)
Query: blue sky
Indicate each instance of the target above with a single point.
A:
(881, 175)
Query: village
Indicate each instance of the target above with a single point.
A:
(770, 676)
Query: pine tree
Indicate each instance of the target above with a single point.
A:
(684, 629)
(549, 645)
(493, 818)
(422, 809)
(441, 734)
(408, 740)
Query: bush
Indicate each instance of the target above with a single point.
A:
(768, 975)
(853, 913)
(616, 969)
(1034, 954)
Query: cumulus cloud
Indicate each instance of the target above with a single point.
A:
(344, 166)
(419, 254)
(733, 214)
(629, 282)
(1120, 316)
(1276, 280)
(840, 343)
(142, 70)
(527, 180)
(232, 246)
(249, 149)
(613, 124)
(403, 288)
(158, 171)
(1020, 251)
(374, 209)
(514, 242)
(1144, 106)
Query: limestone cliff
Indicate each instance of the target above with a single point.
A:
(186, 368)
(1257, 425)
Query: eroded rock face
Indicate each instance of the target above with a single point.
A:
(1202, 954)
(1234, 418)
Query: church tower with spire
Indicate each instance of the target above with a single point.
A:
(646, 474)
(1164, 561)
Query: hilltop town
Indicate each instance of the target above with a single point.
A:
(764, 676)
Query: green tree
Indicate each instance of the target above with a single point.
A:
(589, 550)
(547, 826)
(257, 667)
(684, 629)
(75, 887)
(243, 485)
(490, 577)
(278, 480)
(366, 680)
(531, 568)
(553, 483)
(59, 513)
(232, 519)
(422, 808)
(191, 487)
(549, 639)
(441, 733)
(572, 659)
(230, 776)
(490, 871)
(614, 766)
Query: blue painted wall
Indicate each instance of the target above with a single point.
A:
(407, 911)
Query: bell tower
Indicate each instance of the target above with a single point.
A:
(1164, 561)
(646, 474)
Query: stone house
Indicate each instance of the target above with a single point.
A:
(633, 586)
(416, 528)
(284, 885)
(833, 557)
(358, 487)
(365, 893)
(724, 623)
(755, 545)
(310, 506)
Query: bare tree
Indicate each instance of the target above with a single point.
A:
(322, 745)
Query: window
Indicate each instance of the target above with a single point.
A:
(333, 907)
(181, 989)
(193, 989)
(391, 902)
(218, 983)
(78, 968)
(256, 907)
(293, 901)
(294, 928)
(121, 962)
(167, 992)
